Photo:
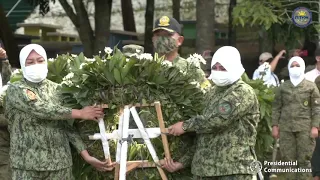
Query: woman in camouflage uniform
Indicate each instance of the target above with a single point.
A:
(295, 116)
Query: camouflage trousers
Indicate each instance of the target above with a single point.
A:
(231, 177)
(63, 174)
(5, 172)
(297, 146)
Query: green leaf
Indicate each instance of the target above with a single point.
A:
(117, 75)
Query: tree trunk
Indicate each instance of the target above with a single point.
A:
(8, 40)
(176, 9)
(148, 45)
(232, 37)
(128, 16)
(205, 26)
(102, 23)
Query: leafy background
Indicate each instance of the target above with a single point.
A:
(117, 81)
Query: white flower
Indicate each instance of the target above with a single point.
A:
(104, 60)
(17, 71)
(68, 61)
(90, 59)
(127, 59)
(67, 82)
(138, 50)
(196, 83)
(73, 55)
(99, 52)
(168, 63)
(69, 76)
(194, 61)
(108, 50)
(83, 64)
(200, 58)
(146, 56)
(51, 59)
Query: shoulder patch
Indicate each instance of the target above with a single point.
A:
(31, 95)
(224, 108)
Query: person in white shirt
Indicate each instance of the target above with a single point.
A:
(266, 69)
(313, 74)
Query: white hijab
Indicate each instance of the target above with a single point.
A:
(297, 73)
(229, 57)
(24, 53)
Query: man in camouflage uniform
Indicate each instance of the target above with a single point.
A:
(295, 117)
(5, 172)
(39, 131)
(167, 39)
(226, 131)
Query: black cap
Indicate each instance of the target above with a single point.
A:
(167, 23)
(317, 52)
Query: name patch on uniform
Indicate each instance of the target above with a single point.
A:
(305, 103)
(31, 95)
(224, 108)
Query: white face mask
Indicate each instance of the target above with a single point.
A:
(295, 72)
(36, 73)
(220, 78)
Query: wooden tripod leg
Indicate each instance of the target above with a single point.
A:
(116, 172)
(162, 173)
(163, 130)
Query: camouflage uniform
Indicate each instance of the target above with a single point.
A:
(40, 134)
(5, 172)
(295, 111)
(226, 134)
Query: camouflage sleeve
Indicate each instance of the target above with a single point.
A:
(20, 98)
(230, 107)
(72, 132)
(189, 146)
(6, 72)
(3, 119)
(315, 107)
(276, 107)
(75, 138)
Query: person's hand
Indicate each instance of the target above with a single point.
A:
(176, 129)
(296, 52)
(282, 52)
(171, 166)
(3, 53)
(275, 132)
(100, 165)
(91, 113)
(314, 132)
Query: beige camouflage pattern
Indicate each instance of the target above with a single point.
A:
(40, 132)
(226, 132)
(164, 45)
(296, 108)
(63, 174)
(5, 172)
(131, 49)
(297, 146)
(295, 111)
(182, 64)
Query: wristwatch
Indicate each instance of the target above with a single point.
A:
(184, 126)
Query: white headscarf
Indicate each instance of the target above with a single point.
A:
(229, 57)
(296, 73)
(36, 73)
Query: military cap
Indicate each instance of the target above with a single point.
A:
(167, 23)
(130, 49)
